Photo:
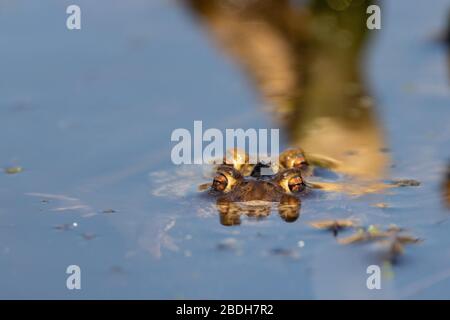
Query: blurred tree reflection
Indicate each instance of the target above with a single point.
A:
(304, 58)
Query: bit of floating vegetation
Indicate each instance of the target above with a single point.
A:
(392, 240)
(381, 205)
(13, 170)
(406, 183)
(109, 211)
(333, 225)
(283, 252)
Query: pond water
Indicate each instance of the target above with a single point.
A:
(88, 115)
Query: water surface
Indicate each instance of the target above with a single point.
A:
(88, 114)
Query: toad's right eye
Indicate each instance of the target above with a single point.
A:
(296, 184)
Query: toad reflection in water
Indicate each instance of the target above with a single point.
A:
(303, 58)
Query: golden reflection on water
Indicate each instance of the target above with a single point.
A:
(304, 58)
(231, 212)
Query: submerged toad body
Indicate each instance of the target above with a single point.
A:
(241, 188)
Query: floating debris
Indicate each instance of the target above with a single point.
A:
(381, 205)
(371, 233)
(109, 211)
(391, 240)
(13, 170)
(405, 183)
(88, 236)
(333, 225)
(63, 227)
(283, 252)
(66, 226)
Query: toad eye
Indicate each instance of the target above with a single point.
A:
(295, 184)
(293, 158)
(291, 181)
(226, 178)
(220, 182)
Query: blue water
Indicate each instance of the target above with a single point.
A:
(88, 114)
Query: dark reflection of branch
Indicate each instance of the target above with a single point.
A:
(231, 212)
(304, 60)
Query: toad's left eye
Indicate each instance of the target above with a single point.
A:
(220, 182)
(295, 184)
(226, 178)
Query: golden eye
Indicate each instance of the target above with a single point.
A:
(293, 158)
(226, 178)
(220, 182)
(290, 180)
(295, 184)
